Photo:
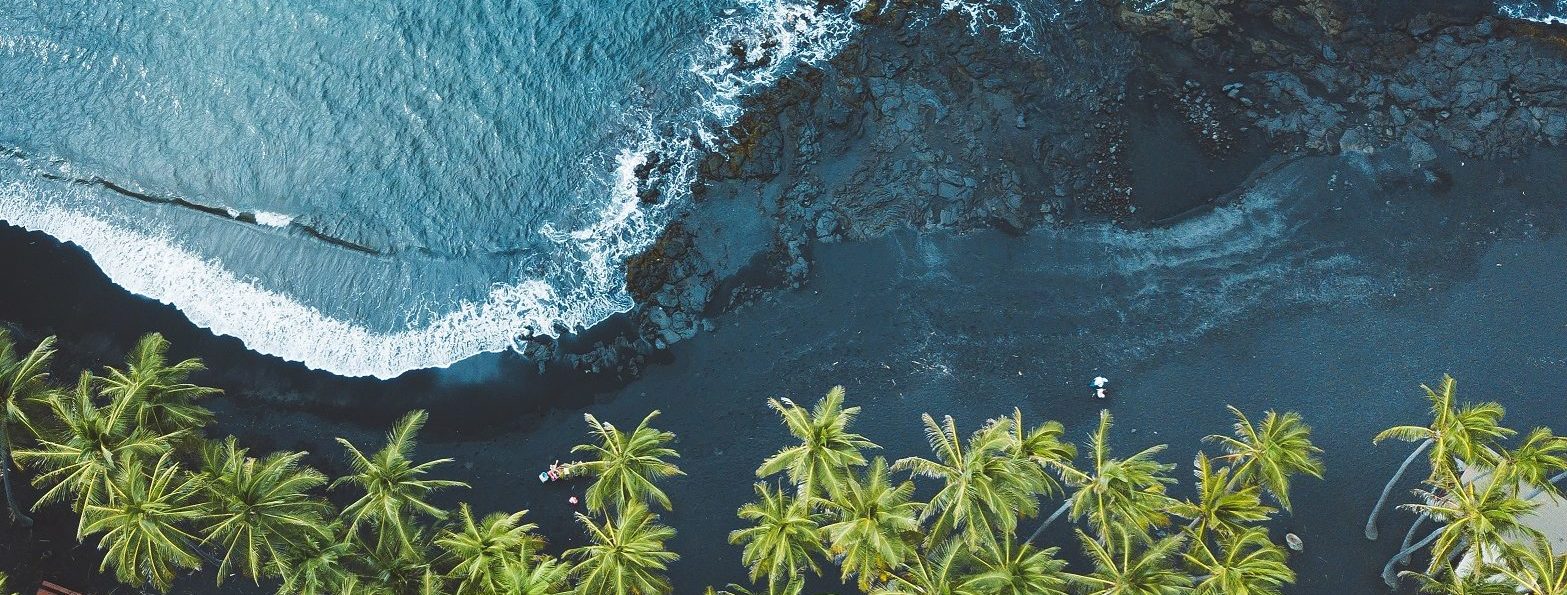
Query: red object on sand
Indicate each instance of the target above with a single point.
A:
(48, 588)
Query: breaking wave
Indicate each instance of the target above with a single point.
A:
(576, 287)
(575, 281)
(1543, 11)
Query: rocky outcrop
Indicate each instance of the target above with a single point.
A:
(931, 121)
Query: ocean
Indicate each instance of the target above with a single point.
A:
(371, 188)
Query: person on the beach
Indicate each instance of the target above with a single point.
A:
(1099, 386)
(555, 470)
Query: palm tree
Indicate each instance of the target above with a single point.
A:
(1470, 433)
(22, 380)
(1533, 463)
(140, 518)
(626, 466)
(84, 445)
(1011, 568)
(626, 556)
(165, 400)
(1271, 453)
(254, 511)
(1481, 516)
(1125, 494)
(1535, 568)
(827, 449)
(1246, 563)
(391, 482)
(481, 550)
(1482, 580)
(319, 566)
(529, 574)
(1541, 456)
(940, 573)
(1035, 451)
(1121, 569)
(390, 565)
(981, 497)
(1220, 506)
(784, 540)
(875, 519)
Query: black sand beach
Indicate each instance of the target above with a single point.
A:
(1320, 290)
(1321, 238)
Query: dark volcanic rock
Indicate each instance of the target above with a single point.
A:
(922, 122)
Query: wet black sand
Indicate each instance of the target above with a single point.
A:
(1325, 291)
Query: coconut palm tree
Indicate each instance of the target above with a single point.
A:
(1035, 451)
(940, 573)
(626, 466)
(1011, 568)
(530, 574)
(392, 484)
(1122, 566)
(981, 496)
(255, 510)
(1124, 494)
(784, 541)
(1542, 456)
(1538, 462)
(1535, 568)
(1482, 580)
(480, 551)
(1479, 515)
(23, 380)
(166, 402)
(1245, 563)
(874, 521)
(1270, 453)
(81, 446)
(388, 564)
(827, 450)
(626, 556)
(1469, 432)
(140, 517)
(1221, 506)
(319, 566)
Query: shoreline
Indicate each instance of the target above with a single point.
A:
(846, 325)
(916, 311)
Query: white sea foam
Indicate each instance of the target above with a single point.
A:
(582, 285)
(1531, 10)
(273, 219)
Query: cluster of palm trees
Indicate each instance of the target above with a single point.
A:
(125, 449)
(832, 505)
(1483, 494)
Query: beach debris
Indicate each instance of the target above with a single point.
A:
(1294, 542)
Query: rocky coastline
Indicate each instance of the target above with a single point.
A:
(932, 121)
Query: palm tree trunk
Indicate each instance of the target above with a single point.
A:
(1409, 535)
(5, 477)
(1053, 516)
(1388, 576)
(1371, 522)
